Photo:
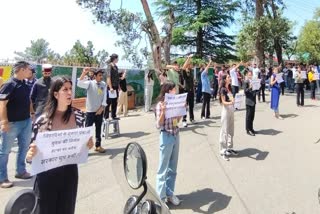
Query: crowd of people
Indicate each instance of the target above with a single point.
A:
(29, 105)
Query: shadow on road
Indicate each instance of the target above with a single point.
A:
(252, 153)
(196, 200)
(134, 134)
(289, 116)
(268, 132)
(198, 125)
(311, 106)
(110, 152)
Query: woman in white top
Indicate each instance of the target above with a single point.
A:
(148, 91)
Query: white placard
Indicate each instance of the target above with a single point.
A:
(279, 78)
(175, 105)
(59, 148)
(112, 95)
(316, 76)
(238, 101)
(303, 75)
(256, 84)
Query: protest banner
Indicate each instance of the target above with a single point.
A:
(279, 78)
(316, 76)
(59, 148)
(175, 105)
(238, 101)
(303, 74)
(256, 84)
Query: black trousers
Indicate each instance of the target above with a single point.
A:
(113, 102)
(250, 112)
(215, 90)
(300, 94)
(235, 90)
(206, 105)
(92, 118)
(282, 85)
(262, 92)
(190, 103)
(57, 190)
(313, 85)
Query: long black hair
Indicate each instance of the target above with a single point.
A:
(150, 75)
(223, 84)
(165, 88)
(52, 102)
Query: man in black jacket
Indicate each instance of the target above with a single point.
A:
(250, 104)
(40, 90)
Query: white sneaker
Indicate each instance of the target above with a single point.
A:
(225, 157)
(174, 200)
(203, 118)
(185, 124)
(193, 121)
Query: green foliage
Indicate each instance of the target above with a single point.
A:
(38, 51)
(208, 20)
(84, 55)
(309, 40)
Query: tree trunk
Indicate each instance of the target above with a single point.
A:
(199, 42)
(277, 44)
(168, 39)
(155, 41)
(259, 45)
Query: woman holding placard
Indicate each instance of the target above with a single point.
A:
(313, 83)
(299, 80)
(57, 188)
(227, 119)
(169, 147)
(275, 92)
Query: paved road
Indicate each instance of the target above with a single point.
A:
(277, 171)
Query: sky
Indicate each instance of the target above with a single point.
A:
(62, 22)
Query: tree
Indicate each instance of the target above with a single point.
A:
(308, 40)
(84, 55)
(290, 47)
(200, 26)
(37, 52)
(130, 27)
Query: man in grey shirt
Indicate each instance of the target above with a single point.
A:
(95, 103)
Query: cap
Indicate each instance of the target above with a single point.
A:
(97, 71)
(33, 68)
(46, 67)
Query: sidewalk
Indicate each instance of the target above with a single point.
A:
(275, 173)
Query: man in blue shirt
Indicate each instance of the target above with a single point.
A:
(206, 93)
(15, 122)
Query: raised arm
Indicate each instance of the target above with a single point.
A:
(187, 62)
(208, 66)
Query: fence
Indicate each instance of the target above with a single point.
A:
(135, 78)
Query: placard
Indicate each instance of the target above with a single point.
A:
(59, 148)
(303, 75)
(175, 105)
(279, 78)
(238, 101)
(256, 84)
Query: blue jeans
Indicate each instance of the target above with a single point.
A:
(167, 172)
(22, 131)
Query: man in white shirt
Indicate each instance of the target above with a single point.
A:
(234, 79)
(255, 71)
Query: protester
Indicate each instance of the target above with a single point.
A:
(15, 122)
(290, 79)
(215, 85)
(282, 84)
(112, 87)
(234, 79)
(255, 71)
(123, 95)
(57, 188)
(206, 93)
(263, 77)
(31, 79)
(40, 90)
(227, 119)
(188, 77)
(313, 84)
(221, 73)
(169, 148)
(299, 87)
(199, 85)
(250, 104)
(275, 93)
(95, 102)
(148, 90)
